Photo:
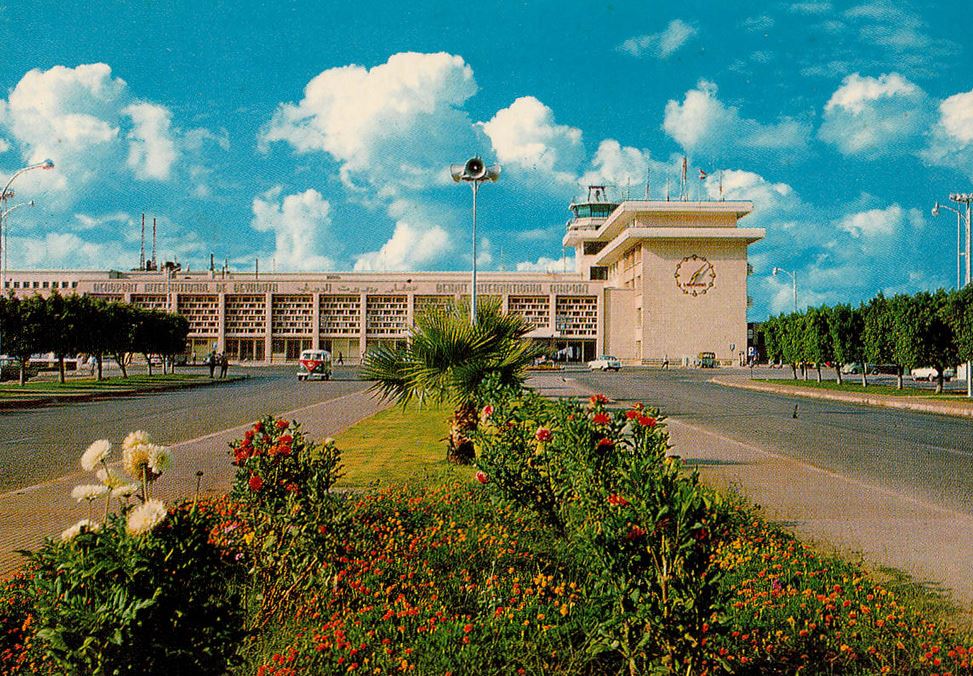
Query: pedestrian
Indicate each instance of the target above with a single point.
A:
(665, 362)
(211, 362)
(341, 359)
(92, 362)
(224, 364)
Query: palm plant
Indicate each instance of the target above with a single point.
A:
(447, 358)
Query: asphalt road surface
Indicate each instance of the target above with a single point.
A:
(924, 456)
(41, 444)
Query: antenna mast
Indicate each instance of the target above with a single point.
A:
(154, 263)
(142, 247)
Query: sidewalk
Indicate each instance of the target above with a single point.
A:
(959, 408)
(933, 545)
(28, 515)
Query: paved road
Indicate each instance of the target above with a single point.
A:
(43, 444)
(928, 457)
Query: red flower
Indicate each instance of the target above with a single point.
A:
(482, 477)
(605, 443)
(258, 426)
(634, 533)
(598, 399)
(286, 439)
(255, 483)
(487, 411)
(283, 424)
(542, 434)
(467, 628)
(647, 421)
(292, 487)
(617, 500)
(248, 435)
(631, 414)
(601, 419)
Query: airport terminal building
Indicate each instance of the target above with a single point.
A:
(654, 280)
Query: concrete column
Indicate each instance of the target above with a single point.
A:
(600, 335)
(505, 302)
(362, 326)
(268, 327)
(552, 313)
(315, 320)
(221, 329)
(410, 310)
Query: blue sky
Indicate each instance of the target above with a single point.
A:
(317, 136)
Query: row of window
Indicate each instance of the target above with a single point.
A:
(55, 284)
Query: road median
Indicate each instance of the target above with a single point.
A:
(961, 409)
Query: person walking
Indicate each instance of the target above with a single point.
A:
(211, 362)
(224, 364)
(665, 363)
(341, 359)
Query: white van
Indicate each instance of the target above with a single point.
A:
(314, 364)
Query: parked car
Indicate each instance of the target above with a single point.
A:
(314, 364)
(929, 373)
(706, 360)
(855, 368)
(605, 362)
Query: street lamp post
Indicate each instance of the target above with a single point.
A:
(959, 240)
(6, 194)
(474, 172)
(961, 199)
(793, 283)
(5, 238)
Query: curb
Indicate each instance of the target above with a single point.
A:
(904, 403)
(50, 399)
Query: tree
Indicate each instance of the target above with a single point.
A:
(117, 322)
(924, 335)
(771, 334)
(844, 327)
(174, 330)
(23, 328)
(92, 338)
(878, 335)
(446, 359)
(817, 337)
(791, 340)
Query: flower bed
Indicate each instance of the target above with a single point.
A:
(577, 546)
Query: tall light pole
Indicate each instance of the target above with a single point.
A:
(960, 199)
(6, 194)
(5, 238)
(937, 207)
(474, 172)
(793, 283)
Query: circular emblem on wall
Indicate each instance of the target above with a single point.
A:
(695, 275)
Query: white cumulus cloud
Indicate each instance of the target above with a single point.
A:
(703, 123)
(152, 150)
(411, 246)
(549, 265)
(874, 116)
(662, 44)
(390, 124)
(301, 226)
(880, 222)
(525, 135)
(951, 140)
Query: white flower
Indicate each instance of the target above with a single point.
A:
(138, 438)
(89, 492)
(160, 459)
(125, 491)
(83, 525)
(135, 458)
(96, 453)
(111, 478)
(146, 516)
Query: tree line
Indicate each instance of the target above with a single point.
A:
(906, 331)
(70, 325)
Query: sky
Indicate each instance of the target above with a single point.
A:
(318, 136)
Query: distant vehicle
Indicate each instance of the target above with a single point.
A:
(706, 360)
(855, 368)
(314, 364)
(928, 373)
(605, 362)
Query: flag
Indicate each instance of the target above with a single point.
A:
(702, 175)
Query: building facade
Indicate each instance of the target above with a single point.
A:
(653, 280)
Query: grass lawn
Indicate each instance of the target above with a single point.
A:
(857, 388)
(398, 445)
(80, 386)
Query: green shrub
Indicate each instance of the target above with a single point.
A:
(289, 522)
(641, 526)
(106, 601)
